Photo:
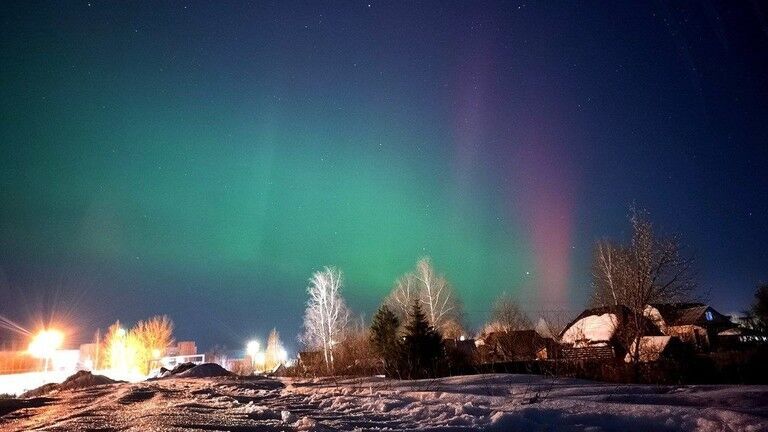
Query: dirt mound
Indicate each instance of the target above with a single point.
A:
(179, 368)
(81, 379)
(204, 370)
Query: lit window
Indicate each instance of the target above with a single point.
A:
(708, 315)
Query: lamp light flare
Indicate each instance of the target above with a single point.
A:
(45, 343)
(252, 347)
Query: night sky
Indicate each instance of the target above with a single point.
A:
(201, 159)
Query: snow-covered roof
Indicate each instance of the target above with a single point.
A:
(591, 329)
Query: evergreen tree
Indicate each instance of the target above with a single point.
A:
(385, 340)
(423, 345)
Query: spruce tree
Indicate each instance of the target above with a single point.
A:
(423, 345)
(385, 340)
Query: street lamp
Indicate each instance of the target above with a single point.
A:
(252, 348)
(45, 344)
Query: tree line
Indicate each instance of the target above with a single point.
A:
(408, 334)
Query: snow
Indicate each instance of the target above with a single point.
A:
(15, 384)
(591, 329)
(493, 402)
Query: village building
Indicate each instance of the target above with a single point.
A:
(740, 338)
(517, 345)
(603, 333)
(695, 324)
(655, 348)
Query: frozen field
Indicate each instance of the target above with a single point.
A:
(481, 402)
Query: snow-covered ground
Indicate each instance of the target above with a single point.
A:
(480, 402)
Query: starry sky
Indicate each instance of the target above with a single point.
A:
(202, 159)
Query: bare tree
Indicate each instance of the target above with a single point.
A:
(452, 329)
(609, 273)
(274, 353)
(437, 296)
(650, 269)
(152, 337)
(112, 347)
(507, 315)
(434, 293)
(326, 315)
(405, 292)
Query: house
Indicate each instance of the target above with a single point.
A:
(655, 348)
(693, 323)
(517, 345)
(311, 361)
(603, 333)
(181, 348)
(738, 338)
(464, 346)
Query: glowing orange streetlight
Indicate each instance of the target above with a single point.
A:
(45, 344)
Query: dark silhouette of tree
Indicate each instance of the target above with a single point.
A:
(649, 269)
(759, 310)
(422, 346)
(385, 340)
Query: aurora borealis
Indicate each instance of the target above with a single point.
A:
(201, 159)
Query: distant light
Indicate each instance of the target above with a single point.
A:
(462, 338)
(45, 343)
(252, 347)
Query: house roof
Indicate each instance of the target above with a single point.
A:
(619, 311)
(518, 342)
(678, 314)
(514, 337)
(592, 329)
(740, 331)
(622, 315)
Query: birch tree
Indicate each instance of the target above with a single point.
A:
(434, 294)
(401, 299)
(609, 271)
(326, 315)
